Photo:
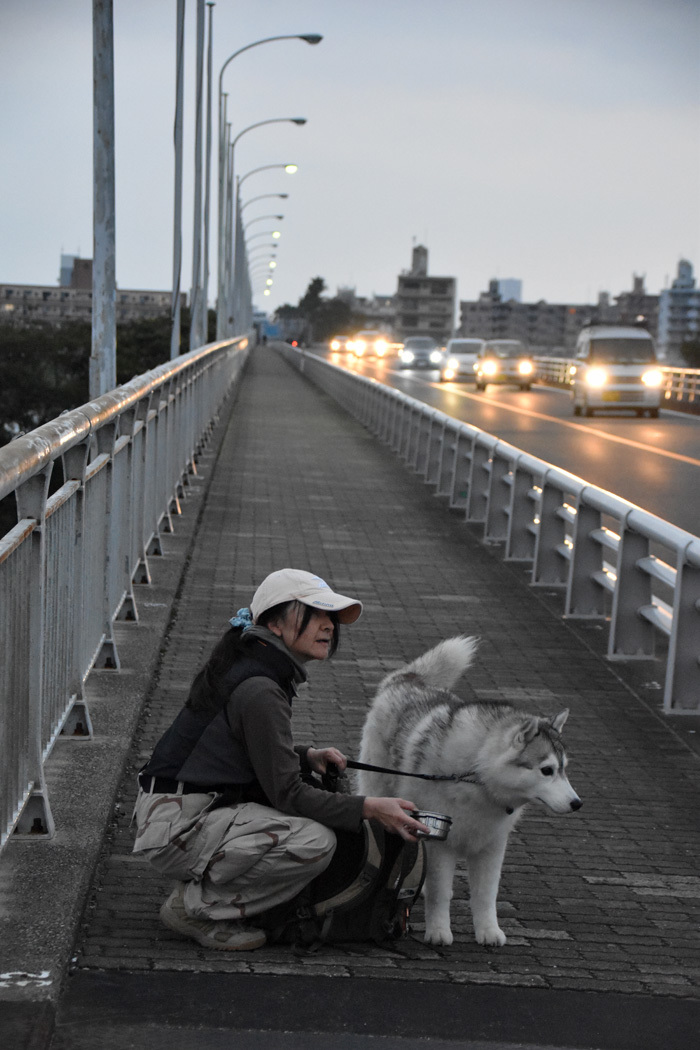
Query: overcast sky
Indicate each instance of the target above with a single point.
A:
(556, 141)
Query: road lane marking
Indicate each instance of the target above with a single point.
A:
(554, 419)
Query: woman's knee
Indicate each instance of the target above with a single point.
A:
(312, 843)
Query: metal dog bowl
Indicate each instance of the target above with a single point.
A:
(438, 823)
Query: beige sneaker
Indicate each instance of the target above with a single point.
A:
(226, 936)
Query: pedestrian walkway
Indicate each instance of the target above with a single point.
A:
(600, 908)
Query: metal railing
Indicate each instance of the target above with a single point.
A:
(681, 386)
(613, 561)
(68, 567)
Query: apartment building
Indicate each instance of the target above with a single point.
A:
(679, 312)
(424, 305)
(71, 300)
(552, 327)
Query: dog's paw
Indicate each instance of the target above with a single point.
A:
(492, 935)
(438, 935)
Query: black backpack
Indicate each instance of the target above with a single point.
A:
(366, 893)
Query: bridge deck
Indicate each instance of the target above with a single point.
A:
(601, 908)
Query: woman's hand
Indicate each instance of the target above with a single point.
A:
(318, 758)
(392, 814)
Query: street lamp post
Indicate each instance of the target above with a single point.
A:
(227, 237)
(262, 196)
(177, 209)
(259, 218)
(309, 38)
(103, 369)
(265, 248)
(233, 300)
(204, 330)
(290, 169)
(196, 286)
(275, 234)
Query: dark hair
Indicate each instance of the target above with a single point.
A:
(209, 691)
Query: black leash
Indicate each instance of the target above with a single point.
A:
(460, 778)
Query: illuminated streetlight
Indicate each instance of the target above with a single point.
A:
(268, 233)
(290, 169)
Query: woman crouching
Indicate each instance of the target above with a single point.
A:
(225, 805)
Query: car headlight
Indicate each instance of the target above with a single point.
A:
(596, 377)
(407, 356)
(335, 345)
(453, 364)
(525, 368)
(653, 378)
(380, 346)
(436, 357)
(572, 370)
(448, 373)
(489, 368)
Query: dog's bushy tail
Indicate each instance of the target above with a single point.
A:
(443, 666)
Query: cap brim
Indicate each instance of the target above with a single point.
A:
(348, 610)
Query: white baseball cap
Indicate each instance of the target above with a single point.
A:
(287, 585)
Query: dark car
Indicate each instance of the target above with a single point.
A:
(420, 351)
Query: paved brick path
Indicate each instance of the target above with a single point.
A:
(605, 900)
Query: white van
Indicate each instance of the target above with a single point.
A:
(615, 367)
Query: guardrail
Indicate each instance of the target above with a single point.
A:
(68, 567)
(681, 389)
(613, 561)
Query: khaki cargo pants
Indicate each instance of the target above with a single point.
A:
(237, 861)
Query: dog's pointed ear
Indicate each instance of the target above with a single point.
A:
(559, 720)
(526, 731)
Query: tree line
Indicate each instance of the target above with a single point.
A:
(323, 317)
(44, 369)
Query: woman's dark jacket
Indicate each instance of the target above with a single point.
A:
(246, 749)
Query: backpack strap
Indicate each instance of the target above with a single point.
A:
(403, 885)
(366, 876)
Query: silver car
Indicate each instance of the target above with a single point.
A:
(504, 361)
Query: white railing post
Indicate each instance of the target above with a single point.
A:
(520, 544)
(630, 634)
(36, 817)
(585, 598)
(551, 564)
(460, 485)
(499, 497)
(479, 480)
(446, 465)
(74, 461)
(682, 686)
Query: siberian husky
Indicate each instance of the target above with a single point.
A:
(506, 758)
